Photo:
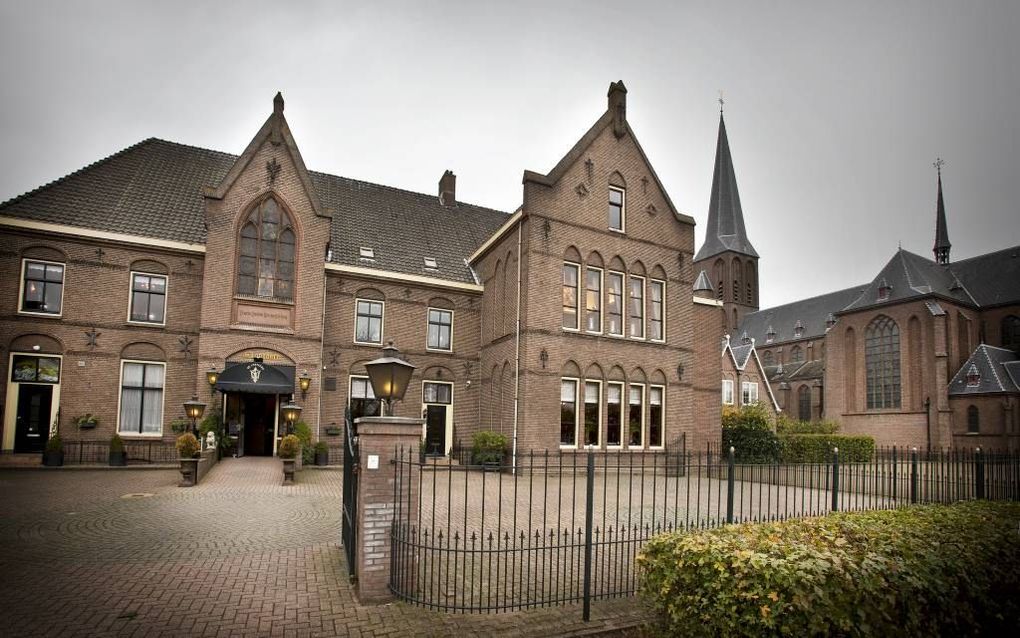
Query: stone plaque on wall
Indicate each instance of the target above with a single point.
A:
(329, 384)
(259, 315)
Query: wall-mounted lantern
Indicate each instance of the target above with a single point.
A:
(304, 382)
(212, 376)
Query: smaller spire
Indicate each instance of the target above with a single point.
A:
(702, 286)
(942, 245)
(275, 134)
(278, 103)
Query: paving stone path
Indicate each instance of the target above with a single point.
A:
(126, 553)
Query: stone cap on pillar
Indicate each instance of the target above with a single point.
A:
(388, 425)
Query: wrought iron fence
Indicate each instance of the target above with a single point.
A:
(348, 527)
(137, 452)
(567, 527)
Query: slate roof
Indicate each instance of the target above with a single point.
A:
(910, 276)
(725, 217)
(993, 279)
(941, 228)
(741, 354)
(997, 368)
(154, 189)
(811, 312)
(703, 283)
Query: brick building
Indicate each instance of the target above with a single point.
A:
(126, 282)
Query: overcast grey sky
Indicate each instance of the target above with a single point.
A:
(835, 111)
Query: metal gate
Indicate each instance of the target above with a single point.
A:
(349, 530)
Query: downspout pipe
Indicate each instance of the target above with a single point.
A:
(517, 350)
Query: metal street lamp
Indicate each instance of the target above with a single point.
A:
(291, 413)
(389, 376)
(194, 410)
(212, 376)
(304, 382)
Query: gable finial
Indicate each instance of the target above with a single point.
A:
(278, 103)
(722, 102)
(938, 164)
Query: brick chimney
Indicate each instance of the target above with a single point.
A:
(618, 107)
(448, 189)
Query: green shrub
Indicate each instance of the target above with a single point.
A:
(288, 447)
(817, 448)
(932, 570)
(749, 431)
(187, 446)
(304, 434)
(488, 447)
(116, 444)
(55, 444)
(786, 425)
(180, 425)
(321, 448)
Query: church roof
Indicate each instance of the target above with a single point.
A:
(725, 217)
(812, 313)
(995, 369)
(155, 188)
(993, 278)
(906, 276)
(941, 228)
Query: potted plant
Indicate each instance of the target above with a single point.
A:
(306, 454)
(289, 448)
(321, 454)
(488, 449)
(187, 450)
(86, 421)
(118, 457)
(54, 454)
(180, 425)
(333, 429)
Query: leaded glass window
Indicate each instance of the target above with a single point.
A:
(882, 363)
(265, 266)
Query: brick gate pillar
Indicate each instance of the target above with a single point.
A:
(380, 440)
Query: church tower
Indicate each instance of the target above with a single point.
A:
(942, 244)
(727, 256)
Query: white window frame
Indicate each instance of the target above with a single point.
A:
(21, 288)
(650, 302)
(623, 416)
(577, 410)
(662, 426)
(602, 283)
(644, 309)
(623, 210)
(644, 420)
(598, 406)
(131, 297)
(727, 389)
(748, 389)
(448, 429)
(382, 322)
(162, 407)
(624, 295)
(428, 310)
(577, 305)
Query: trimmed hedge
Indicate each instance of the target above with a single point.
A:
(817, 448)
(937, 570)
(749, 431)
(786, 425)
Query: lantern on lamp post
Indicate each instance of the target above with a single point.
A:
(291, 413)
(389, 375)
(194, 410)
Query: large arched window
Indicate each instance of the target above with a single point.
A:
(882, 363)
(1011, 333)
(796, 355)
(265, 265)
(804, 403)
(769, 358)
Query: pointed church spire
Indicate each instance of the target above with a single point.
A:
(725, 218)
(942, 244)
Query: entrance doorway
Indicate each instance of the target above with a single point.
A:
(251, 418)
(437, 398)
(32, 422)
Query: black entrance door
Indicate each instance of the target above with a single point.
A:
(435, 429)
(33, 419)
(259, 413)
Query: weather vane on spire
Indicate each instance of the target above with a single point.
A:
(938, 164)
(721, 101)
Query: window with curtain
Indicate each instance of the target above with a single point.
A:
(592, 412)
(749, 393)
(266, 253)
(571, 274)
(43, 287)
(637, 307)
(882, 363)
(440, 329)
(568, 412)
(616, 209)
(362, 399)
(655, 416)
(614, 414)
(727, 392)
(593, 300)
(141, 398)
(148, 298)
(657, 318)
(804, 403)
(635, 416)
(368, 321)
(614, 304)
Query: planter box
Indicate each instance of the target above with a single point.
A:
(333, 431)
(322, 458)
(53, 459)
(118, 459)
(189, 472)
(288, 471)
(87, 425)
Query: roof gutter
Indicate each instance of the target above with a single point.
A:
(77, 231)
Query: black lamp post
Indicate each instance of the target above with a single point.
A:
(389, 375)
(194, 410)
(291, 413)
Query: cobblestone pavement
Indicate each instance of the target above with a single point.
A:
(126, 553)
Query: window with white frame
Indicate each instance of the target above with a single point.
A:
(148, 298)
(568, 412)
(592, 412)
(42, 287)
(361, 400)
(656, 401)
(636, 416)
(571, 274)
(616, 208)
(141, 397)
(727, 392)
(748, 393)
(636, 310)
(614, 414)
(440, 329)
(657, 317)
(368, 321)
(593, 300)
(614, 304)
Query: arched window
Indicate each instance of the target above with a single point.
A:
(769, 358)
(882, 363)
(266, 259)
(973, 420)
(804, 403)
(1011, 333)
(796, 354)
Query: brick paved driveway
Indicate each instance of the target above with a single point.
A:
(125, 552)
